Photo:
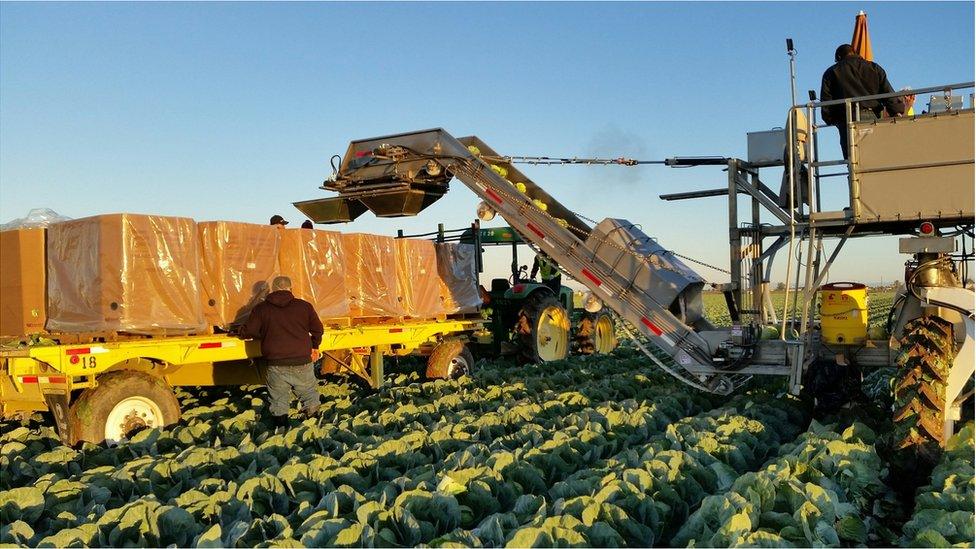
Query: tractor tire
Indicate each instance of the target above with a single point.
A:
(926, 352)
(123, 403)
(542, 329)
(595, 334)
(450, 360)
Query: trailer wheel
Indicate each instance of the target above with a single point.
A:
(595, 334)
(925, 357)
(450, 360)
(122, 404)
(542, 329)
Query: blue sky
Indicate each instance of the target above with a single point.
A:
(231, 111)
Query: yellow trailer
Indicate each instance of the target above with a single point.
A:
(105, 390)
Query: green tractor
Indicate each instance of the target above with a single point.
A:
(530, 319)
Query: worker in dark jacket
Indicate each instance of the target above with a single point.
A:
(290, 332)
(851, 76)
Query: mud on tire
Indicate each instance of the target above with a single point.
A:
(134, 400)
(542, 329)
(925, 356)
(595, 334)
(450, 360)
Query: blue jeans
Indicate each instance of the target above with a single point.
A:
(282, 380)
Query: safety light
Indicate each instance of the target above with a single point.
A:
(433, 168)
(485, 212)
(592, 303)
(926, 229)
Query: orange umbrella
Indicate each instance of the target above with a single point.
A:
(861, 42)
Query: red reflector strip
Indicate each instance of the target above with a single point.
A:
(57, 379)
(592, 277)
(78, 351)
(651, 326)
(536, 230)
(28, 379)
(493, 195)
(210, 345)
(395, 330)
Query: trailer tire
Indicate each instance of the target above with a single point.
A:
(542, 329)
(124, 402)
(450, 360)
(925, 356)
(595, 334)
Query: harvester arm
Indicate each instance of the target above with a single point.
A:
(633, 275)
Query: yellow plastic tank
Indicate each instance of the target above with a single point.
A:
(844, 313)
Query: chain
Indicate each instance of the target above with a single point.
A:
(549, 161)
(670, 252)
(702, 263)
(584, 235)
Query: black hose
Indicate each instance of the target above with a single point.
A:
(912, 288)
(891, 312)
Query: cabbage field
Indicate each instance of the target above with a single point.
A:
(879, 303)
(596, 451)
(592, 451)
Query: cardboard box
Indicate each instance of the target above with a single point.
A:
(124, 273)
(22, 282)
(370, 265)
(313, 260)
(238, 263)
(418, 278)
(458, 278)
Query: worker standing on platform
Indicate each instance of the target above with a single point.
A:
(290, 333)
(851, 76)
(278, 220)
(548, 271)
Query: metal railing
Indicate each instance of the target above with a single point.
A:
(805, 154)
(852, 115)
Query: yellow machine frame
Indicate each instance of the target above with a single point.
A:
(29, 377)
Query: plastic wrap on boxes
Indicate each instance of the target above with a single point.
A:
(36, 218)
(124, 273)
(370, 264)
(22, 282)
(239, 261)
(418, 278)
(313, 261)
(458, 277)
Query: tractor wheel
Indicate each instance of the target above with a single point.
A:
(123, 403)
(925, 356)
(595, 334)
(542, 329)
(450, 360)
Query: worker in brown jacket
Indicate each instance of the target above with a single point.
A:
(290, 333)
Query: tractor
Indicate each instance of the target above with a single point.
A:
(527, 318)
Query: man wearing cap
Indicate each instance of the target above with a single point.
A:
(278, 220)
(290, 333)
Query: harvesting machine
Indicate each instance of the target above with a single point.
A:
(907, 176)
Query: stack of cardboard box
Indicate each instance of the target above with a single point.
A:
(147, 274)
(22, 282)
(371, 275)
(124, 273)
(418, 280)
